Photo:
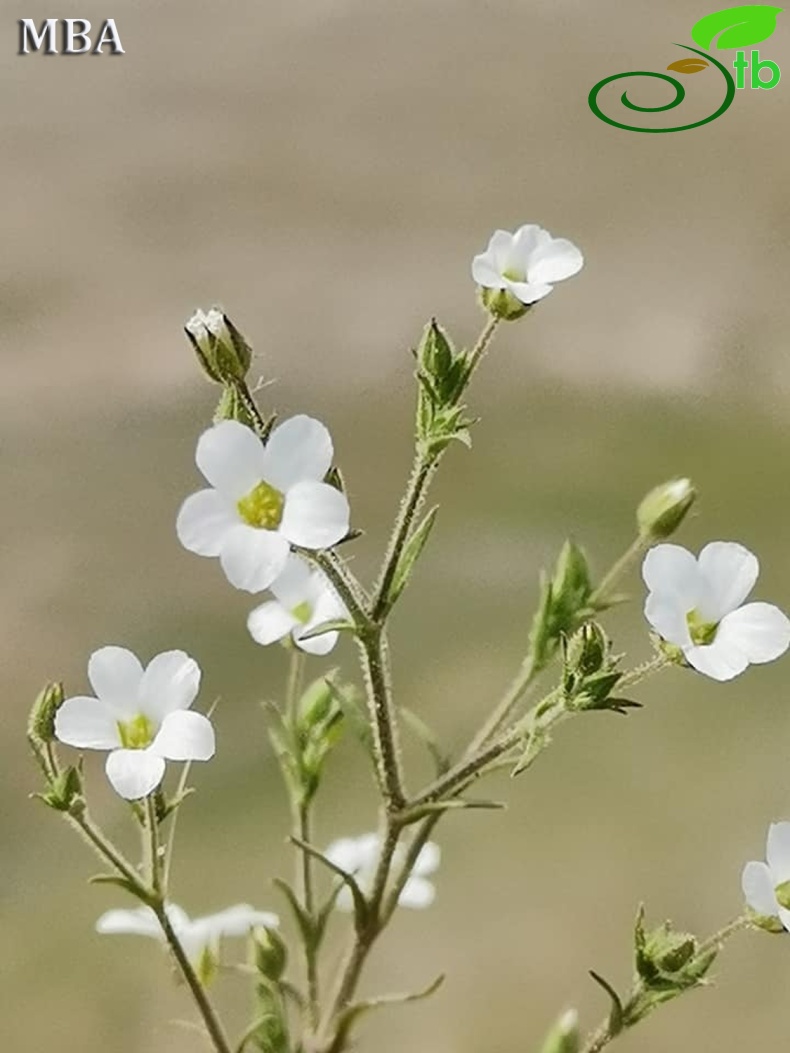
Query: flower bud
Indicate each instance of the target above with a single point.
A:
(41, 723)
(502, 304)
(271, 954)
(564, 1036)
(766, 922)
(662, 511)
(223, 352)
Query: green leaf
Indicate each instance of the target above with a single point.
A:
(337, 625)
(352, 1013)
(360, 903)
(616, 1012)
(688, 65)
(428, 739)
(410, 554)
(736, 27)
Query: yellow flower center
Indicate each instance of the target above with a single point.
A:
(262, 507)
(137, 733)
(701, 632)
(513, 276)
(302, 612)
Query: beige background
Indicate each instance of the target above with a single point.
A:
(325, 169)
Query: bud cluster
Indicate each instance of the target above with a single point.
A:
(442, 373)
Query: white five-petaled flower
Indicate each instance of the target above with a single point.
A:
(200, 937)
(303, 600)
(263, 499)
(358, 856)
(527, 263)
(141, 716)
(695, 604)
(760, 881)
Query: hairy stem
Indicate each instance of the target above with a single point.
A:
(213, 1026)
(510, 699)
(375, 668)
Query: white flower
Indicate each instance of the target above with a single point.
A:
(695, 604)
(142, 716)
(359, 855)
(263, 499)
(527, 263)
(200, 937)
(760, 881)
(304, 599)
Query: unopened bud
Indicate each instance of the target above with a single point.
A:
(316, 703)
(663, 510)
(41, 723)
(271, 954)
(564, 1036)
(223, 352)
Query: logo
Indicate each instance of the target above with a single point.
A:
(734, 27)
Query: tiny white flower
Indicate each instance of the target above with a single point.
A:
(527, 263)
(696, 604)
(760, 881)
(304, 599)
(200, 937)
(263, 499)
(141, 716)
(359, 855)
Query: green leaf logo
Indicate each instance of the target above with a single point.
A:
(739, 27)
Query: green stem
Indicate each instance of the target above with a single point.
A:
(482, 345)
(213, 1026)
(641, 672)
(154, 861)
(375, 667)
(250, 405)
(510, 699)
(110, 853)
(603, 592)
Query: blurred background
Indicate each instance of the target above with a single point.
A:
(325, 170)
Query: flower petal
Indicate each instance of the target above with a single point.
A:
(777, 852)
(171, 681)
(428, 860)
(760, 631)
(528, 292)
(185, 736)
(758, 889)
(230, 456)
(270, 622)
(203, 522)
(294, 585)
(418, 893)
(526, 242)
(299, 449)
(253, 558)
(672, 571)
(554, 260)
(353, 854)
(315, 515)
(728, 572)
(238, 920)
(87, 723)
(719, 660)
(134, 773)
(327, 608)
(500, 250)
(317, 645)
(139, 922)
(115, 676)
(668, 618)
(485, 273)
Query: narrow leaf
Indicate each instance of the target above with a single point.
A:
(360, 903)
(428, 739)
(336, 625)
(616, 1012)
(350, 1015)
(411, 553)
(457, 804)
